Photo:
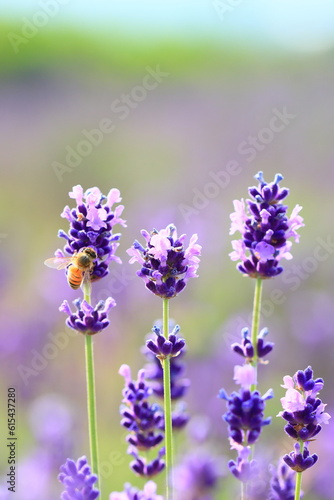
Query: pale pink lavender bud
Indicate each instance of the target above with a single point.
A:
(245, 375)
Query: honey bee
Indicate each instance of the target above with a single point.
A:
(79, 266)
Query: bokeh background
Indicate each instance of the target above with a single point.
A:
(225, 70)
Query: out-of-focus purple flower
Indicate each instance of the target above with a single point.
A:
(36, 471)
(300, 460)
(143, 420)
(78, 480)
(88, 319)
(245, 415)
(303, 411)
(131, 493)
(197, 476)
(242, 468)
(282, 484)
(51, 422)
(180, 417)
(166, 265)
(91, 225)
(265, 229)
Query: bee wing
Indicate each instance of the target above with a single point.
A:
(86, 277)
(58, 262)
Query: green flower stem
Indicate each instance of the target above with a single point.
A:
(298, 485)
(254, 334)
(299, 476)
(256, 321)
(91, 404)
(167, 407)
(243, 491)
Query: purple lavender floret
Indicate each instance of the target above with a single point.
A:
(242, 468)
(246, 349)
(303, 411)
(145, 468)
(87, 319)
(305, 381)
(131, 493)
(164, 348)
(300, 460)
(144, 422)
(282, 484)
(91, 225)
(245, 415)
(78, 480)
(265, 229)
(166, 265)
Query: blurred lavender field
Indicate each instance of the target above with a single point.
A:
(190, 121)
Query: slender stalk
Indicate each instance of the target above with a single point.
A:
(243, 491)
(298, 485)
(254, 334)
(167, 408)
(256, 321)
(299, 476)
(91, 403)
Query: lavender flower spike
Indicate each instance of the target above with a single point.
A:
(265, 229)
(144, 422)
(87, 319)
(166, 265)
(245, 414)
(78, 480)
(304, 412)
(91, 225)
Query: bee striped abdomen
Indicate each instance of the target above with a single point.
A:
(74, 276)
